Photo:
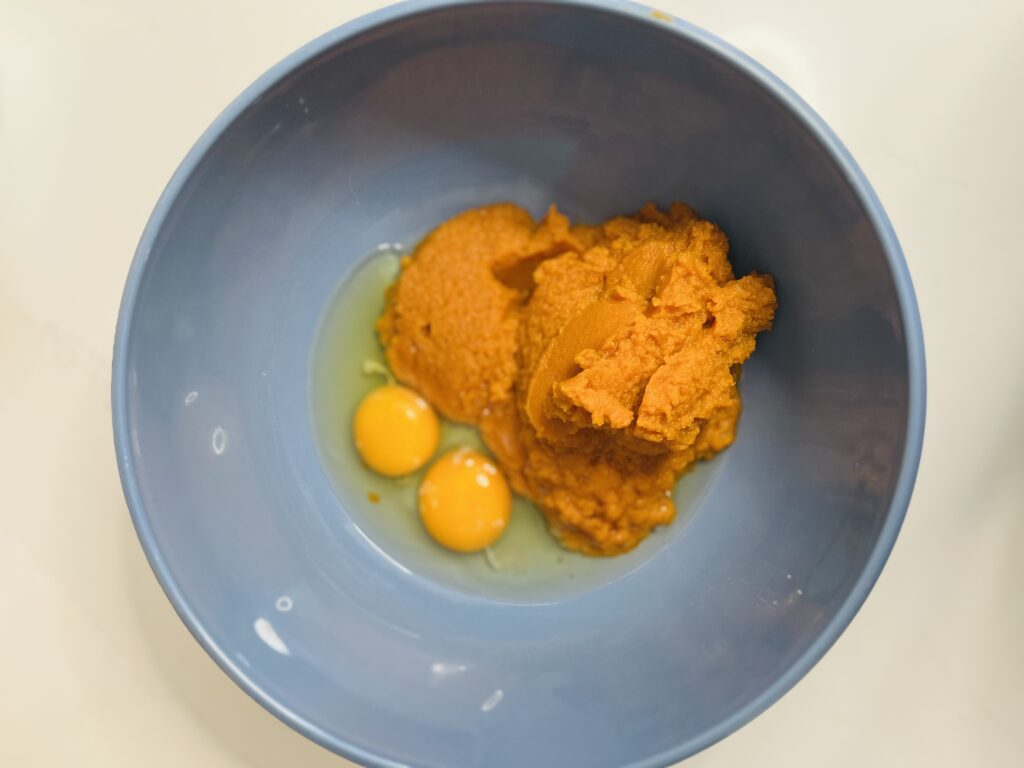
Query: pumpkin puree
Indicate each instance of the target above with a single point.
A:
(599, 362)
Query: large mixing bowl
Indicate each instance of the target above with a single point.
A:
(374, 133)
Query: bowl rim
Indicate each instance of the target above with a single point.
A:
(634, 12)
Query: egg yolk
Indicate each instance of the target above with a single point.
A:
(395, 430)
(464, 501)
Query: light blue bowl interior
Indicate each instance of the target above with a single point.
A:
(377, 132)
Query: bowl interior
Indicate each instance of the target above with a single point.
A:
(378, 132)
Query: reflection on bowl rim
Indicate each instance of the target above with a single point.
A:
(771, 85)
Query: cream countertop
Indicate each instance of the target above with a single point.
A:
(99, 102)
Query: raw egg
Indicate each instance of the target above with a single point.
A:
(395, 430)
(464, 501)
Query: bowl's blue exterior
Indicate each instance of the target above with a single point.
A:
(380, 129)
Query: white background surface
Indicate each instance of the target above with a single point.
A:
(99, 102)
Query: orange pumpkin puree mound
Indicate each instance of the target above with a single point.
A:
(598, 362)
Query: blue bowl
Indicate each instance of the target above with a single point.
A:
(379, 130)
